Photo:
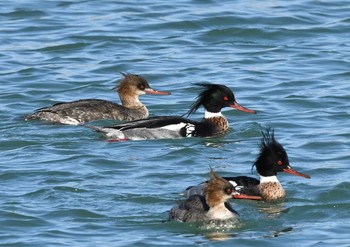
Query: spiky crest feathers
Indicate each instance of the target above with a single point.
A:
(208, 93)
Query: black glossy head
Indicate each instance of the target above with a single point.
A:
(214, 97)
(273, 157)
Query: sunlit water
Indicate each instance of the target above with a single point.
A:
(67, 186)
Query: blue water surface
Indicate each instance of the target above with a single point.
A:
(67, 186)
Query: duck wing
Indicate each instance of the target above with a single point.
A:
(245, 185)
(191, 210)
(152, 122)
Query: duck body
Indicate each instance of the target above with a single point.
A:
(268, 188)
(271, 160)
(211, 206)
(213, 98)
(165, 127)
(196, 209)
(86, 110)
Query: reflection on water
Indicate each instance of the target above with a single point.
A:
(214, 144)
(220, 225)
(219, 236)
(277, 233)
(279, 59)
(217, 142)
(272, 209)
(219, 230)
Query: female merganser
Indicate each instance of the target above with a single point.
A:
(214, 97)
(212, 206)
(272, 159)
(86, 110)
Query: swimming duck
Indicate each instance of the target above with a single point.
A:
(213, 98)
(130, 87)
(211, 206)
(271, 160)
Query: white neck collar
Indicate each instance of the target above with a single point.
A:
(208, 114)
(269, 179)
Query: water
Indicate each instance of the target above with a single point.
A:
(66, 186)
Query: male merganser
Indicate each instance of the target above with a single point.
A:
(214, 97)
(85, 110)
(212, 206)
(272, 159)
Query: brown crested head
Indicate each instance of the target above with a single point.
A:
(218, 190)
(131, 83)
(132, 86)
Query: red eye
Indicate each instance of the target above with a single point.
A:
(279, 162)
(228, 191)
(141, 86)
(225, 98)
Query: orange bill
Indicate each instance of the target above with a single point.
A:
(242, 108)
(152, 91)
(247, 197)
(296, 173)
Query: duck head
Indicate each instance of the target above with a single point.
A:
(214, 97)
(273, 157)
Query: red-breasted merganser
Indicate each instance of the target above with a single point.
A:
(212, 206)
(130, 87)
(214, 97)
(272, 159)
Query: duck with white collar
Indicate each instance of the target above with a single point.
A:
(213, 98)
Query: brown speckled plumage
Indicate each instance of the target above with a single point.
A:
(271, 191)
(220, 125)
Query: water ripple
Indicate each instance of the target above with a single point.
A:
(67, 186)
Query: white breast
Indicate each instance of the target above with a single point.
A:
(220, 212)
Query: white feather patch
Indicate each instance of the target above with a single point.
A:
(113, 133)
(69, 120)
(220, 212)
(190, 128)
(208, 114)
(233, 183)
(269, 179)
(174, 127)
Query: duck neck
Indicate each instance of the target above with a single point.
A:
(213, 199)
(208, 114)
(218, 121)
(130, 101)
(219, 212)
(269, 179)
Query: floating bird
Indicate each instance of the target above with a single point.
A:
(271, 160)
(211, 206)
(86, 110)
(213, 98)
